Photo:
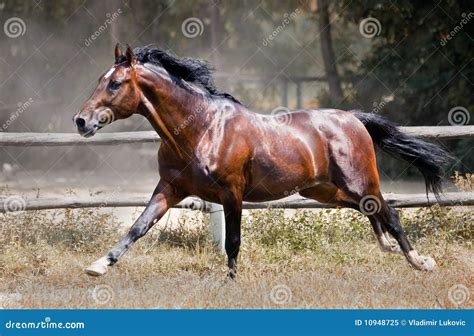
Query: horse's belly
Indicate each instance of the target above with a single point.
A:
(274, 182)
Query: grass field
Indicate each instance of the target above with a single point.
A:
(313, 259)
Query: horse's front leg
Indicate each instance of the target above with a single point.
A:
(163, 198)
(232, 204)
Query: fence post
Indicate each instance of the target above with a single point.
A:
(217, 226)
(298, 95)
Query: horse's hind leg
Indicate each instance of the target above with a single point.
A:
(329, 193)
(386, 242)
(389, 219)
(386, 223)
(163, 198)
(384, 219)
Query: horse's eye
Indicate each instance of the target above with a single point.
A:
(114, 85)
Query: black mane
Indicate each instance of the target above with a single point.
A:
(187, 69)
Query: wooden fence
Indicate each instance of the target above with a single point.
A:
(217, 216)
(73, 139)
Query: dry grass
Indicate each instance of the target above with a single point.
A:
(463, 182)
(314, 259)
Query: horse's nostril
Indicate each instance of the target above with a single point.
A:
(81, 123)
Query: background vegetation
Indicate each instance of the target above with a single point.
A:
(404, 72)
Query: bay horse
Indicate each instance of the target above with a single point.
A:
(215, 148)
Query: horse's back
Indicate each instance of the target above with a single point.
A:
(299, 149)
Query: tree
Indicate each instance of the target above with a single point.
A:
(413, 70)
(327, 52)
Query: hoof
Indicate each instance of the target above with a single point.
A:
(232, 274)
(98, 268)
(422, 263)
(427, 263)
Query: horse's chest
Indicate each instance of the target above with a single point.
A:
(191, 177)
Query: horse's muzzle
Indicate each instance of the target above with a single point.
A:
(84, 128)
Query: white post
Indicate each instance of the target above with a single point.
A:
(217, 226)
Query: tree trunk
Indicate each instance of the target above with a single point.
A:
(216, 28)
(327, 51)
(156, 24)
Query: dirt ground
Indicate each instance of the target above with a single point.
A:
(322, 259)
(185, 272)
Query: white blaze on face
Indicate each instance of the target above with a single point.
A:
(107, 75)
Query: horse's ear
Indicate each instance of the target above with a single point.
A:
(130, 56)
(118, 52)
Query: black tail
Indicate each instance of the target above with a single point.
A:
(427, 157)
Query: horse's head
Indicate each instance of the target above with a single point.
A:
(116, 96)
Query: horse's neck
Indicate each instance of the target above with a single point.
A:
(178, 116)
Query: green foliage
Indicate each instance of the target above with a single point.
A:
(408, 67)
(90, 231)
(317, 230)
(75, 230)
(412, 66)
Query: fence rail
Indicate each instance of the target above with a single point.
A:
(134, 200)
(73, 139)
